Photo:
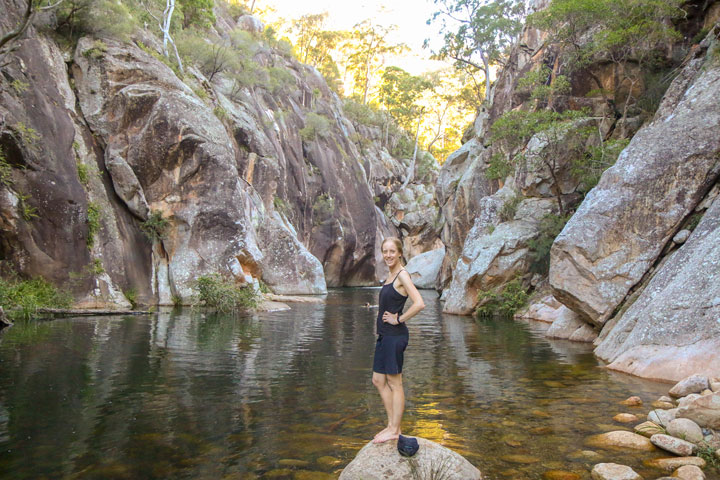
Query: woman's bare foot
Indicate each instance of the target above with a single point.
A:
(381, 432)
(386, 436)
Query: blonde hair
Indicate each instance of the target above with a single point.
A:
(398, 244)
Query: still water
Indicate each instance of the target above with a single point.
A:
(288, 395)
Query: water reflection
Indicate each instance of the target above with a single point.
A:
(187, 394)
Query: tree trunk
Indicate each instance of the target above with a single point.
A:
(411, 170)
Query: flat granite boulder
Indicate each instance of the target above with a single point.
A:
(381, 461)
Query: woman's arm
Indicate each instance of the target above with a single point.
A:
(417, 301)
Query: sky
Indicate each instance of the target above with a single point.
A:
(410, 16)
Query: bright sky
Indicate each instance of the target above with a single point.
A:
(409, 15)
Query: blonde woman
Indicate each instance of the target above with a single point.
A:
(393, 337)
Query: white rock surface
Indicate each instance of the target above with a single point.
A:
(424, 268)
(686, 386)
(673, 445)
(614, 471)
(686, 429)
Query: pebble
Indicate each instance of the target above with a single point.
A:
(327, 461)
(519, 458)
(560, 475)
(671, 463)
(633, 401)
(613, 471)
(665, 398)
(625, 418)
(664, 405)
(672, 444)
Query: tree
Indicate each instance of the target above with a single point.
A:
(367, 48)
(164, 24)
(314, 45)
(621, 31)
(399, 92)
(198, 13)
(7, 41)
(477, 32)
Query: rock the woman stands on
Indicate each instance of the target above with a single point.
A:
(393, 337)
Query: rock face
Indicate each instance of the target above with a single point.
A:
(493, 256)
(424, 268)
(568, 326)
(625, 221)
(676, 315)
(383, 462)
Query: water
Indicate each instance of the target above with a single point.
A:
(288, 395)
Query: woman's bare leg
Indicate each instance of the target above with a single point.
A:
(381, 383)
(395, 412)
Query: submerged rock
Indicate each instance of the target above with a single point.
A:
(671, 463)
(378, 461)
(620, 439)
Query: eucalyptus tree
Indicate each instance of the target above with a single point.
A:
(477, 33)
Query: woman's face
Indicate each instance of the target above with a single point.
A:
(390, 254)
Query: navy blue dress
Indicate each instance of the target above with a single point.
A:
(392, 339)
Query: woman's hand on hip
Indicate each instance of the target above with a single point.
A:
(391, 318)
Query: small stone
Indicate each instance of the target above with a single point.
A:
(715, 384)
(671, 463)
(665, 398)
(648, 429)
(625, 418)
(689, 472)
(633, 401)
(620, 439)
(686, 429)
(560, 475)
(663, 405)
(519, 459)
(692, 384)
(585, 455)
(681, 236)
(707, 391)
(293, 463)
(673, 445)
(613, 471)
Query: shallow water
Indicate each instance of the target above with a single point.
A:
(288, 395)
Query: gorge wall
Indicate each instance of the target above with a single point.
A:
(124, 175)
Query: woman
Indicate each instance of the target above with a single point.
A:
(393, 337)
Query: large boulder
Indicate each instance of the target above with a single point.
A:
(671, 331)
(569, 326)
(625, 221)
(381, 461)
(703, 410)
(414, 211)
(424, 268)
(493, 255)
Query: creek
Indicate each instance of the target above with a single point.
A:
(185, 394)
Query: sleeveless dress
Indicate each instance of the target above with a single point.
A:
(392, 339)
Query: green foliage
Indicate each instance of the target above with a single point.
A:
(707, 453)
(94, 214)
(131, 296)
(97, 51)
(614, 29)
(155, 226)
(426, 166)
(509, 208)
(477, 33)
(314, 46)
(19, 86)
(28, 134)
(590, 167)
(22, 298)
(279, 79)
(656, 84)
(541, 85)
(5, 170)
(96, 268)
(220, 113)
(209, 56)
(197, 13)
(82, 171)
(27, 211)
(503, 303)
(363, 114)
(694, 221)
(109, 18)
(177, 301)
(550, 227)
(221, 294)
(499, 167)
(323, 208)
(403, 147)
(399, 92)
(281, 205)
(316, 125)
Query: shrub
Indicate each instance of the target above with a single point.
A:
(315, 125)
(82, 171)
(19, 86)
(27, 211)
(22, 299)
(590, 167)
(509, 208)
(221, 294)
(504, 303)
(155, 226)
(94, 213)
(550, 227)
(131, 296)
(362, 114)
(498, 168)
(323, 207)
(5, 170)
(279, 79)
